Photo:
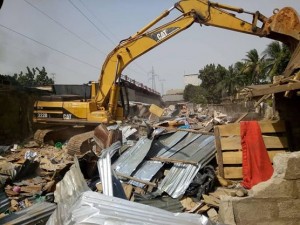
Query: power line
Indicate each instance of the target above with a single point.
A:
(97, 18)
(53, 49)
(135, 63)
(100, 31)
(61, 25)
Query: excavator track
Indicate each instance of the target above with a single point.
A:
(80, 143)
(42, 136)
(78, 137)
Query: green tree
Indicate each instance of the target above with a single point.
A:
(255, 67)
(194, 94)
(277, 57)
(211, 77)
(232, 81)
(33, 77)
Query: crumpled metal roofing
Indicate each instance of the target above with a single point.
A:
(78, 205)
(104, 168)
(110, 184)
(166, 203)
(129, 160)
(4, 202)
(192, 147)
(35, 214)
(94, 208)
(146, 171)
(178, 179)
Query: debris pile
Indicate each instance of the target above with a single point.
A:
(166, 162)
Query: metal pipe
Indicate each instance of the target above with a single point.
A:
(145, 28)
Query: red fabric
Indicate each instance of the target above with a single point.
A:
(257, 166)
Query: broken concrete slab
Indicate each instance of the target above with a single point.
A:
(276, 201)
(287, 165)
(275, 188)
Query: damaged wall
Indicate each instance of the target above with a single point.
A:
(234, 110)
(15, 115)
(276, 201)
(289, 112)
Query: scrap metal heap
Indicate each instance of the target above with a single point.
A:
(168, 164)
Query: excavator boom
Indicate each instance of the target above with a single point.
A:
(283, 26)
(103, 107)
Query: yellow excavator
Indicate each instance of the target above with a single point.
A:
(103, 105)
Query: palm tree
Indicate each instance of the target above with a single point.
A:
(278, 56)
(255, 67)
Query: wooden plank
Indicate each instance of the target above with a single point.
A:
(236, 157)
(276, 89)
(219, 151)
(170, 160)
(233, 173)
(232, 143)
(136, 179)
(266, 127)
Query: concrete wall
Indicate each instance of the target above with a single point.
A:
(15, 115)
(234, 110)
(145, 97)
(276, 201)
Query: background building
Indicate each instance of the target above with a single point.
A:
(191, 79)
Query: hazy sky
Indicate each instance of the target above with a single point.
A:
(71, 38)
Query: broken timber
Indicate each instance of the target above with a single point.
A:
(228, 146)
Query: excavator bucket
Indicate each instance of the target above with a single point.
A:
(284, 22)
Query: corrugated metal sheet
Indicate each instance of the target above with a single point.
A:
(129, 160)
(198, 150)
(178, 179)
(201, 150)
(76, 205)
(4, 202)
(161, 146)
(35, 214)
(180, 146)
(166, 203)
(94, 208)
(4, 148)
(104, 168)
(110, 184)
(146, 171)
(193, 147)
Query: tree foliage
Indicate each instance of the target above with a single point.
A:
(33, 77)
(219, 82)
(194, 94)
(278, 56)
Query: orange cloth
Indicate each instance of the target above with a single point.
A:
(257, 166)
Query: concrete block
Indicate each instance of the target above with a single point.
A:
(275, 188)
(226, 215)
(289, 209)
(276, 222)
(254, 210)
(297, 187)
(287, 165)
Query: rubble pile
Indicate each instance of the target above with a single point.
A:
(167, 162)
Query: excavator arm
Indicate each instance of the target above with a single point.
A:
(102, 106)
(282, 26)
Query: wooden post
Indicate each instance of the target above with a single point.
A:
(219, 151)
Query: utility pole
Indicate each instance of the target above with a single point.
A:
(162, 86)
(53, 77)
(153, 75)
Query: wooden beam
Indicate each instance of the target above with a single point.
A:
(169, 160)
(219, 151)
(236, 157)
(234, 143)
(136, 179)
(266, 127)
(276, 89)
(233, 173)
